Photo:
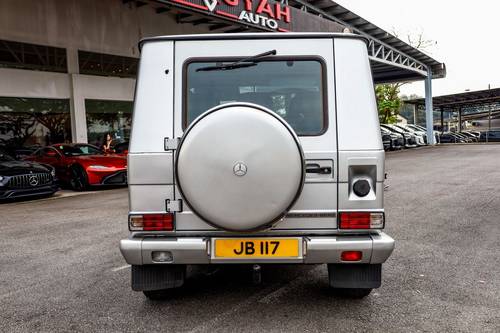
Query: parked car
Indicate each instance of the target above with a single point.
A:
(471, 136)
(399, 141)
(386, 140)
(465, 138)
(477, 134)
(395, 140)
(21, 179)
(410, 140)
(82, 165)
(22, 152)
(490, 136)
(448, 137)
(236, 159)
(421, 137)
(18, 153)
(451, 137)
(416, 127)
(121, 148)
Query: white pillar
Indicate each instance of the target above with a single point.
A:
(78, 116)
(77, 100)
(429, 109)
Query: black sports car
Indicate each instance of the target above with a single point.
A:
(20, 179)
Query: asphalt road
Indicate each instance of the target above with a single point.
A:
(61, 270)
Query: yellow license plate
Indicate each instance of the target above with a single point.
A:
(256, 248)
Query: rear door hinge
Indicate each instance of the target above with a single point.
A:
(171, 144)
(173, 205)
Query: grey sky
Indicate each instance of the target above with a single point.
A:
(467, 35)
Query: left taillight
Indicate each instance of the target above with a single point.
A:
(361, 220)
(151, 222)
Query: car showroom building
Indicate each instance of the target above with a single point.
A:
(68, 67)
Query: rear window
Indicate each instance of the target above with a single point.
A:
(292, 88)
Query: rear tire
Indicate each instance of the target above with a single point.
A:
(79, 180)
(354, 293)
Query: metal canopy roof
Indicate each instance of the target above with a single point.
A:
(391, 59)
(466, 99)
(473, 105)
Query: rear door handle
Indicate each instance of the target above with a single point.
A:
(316, 168)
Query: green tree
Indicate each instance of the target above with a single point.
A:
(388, 102)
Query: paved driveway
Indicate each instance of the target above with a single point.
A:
(60, 268)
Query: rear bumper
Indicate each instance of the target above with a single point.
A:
(376, 248)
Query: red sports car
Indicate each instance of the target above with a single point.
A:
(82, 165)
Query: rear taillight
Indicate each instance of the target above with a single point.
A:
(361, 220)
(152, 222)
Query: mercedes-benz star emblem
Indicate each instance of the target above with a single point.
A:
(240, 169)
(33, 180)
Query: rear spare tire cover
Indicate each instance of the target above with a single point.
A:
(240, 167)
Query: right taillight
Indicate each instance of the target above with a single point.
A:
(152, 222)
(361, 220)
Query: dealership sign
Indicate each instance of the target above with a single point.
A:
(263, 13)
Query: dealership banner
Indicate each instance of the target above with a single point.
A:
(267, 14)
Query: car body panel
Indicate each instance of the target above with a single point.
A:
(322, 147)
(19, 179)
(98, 168)
(353, 148)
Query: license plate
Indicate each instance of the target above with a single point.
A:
(257, 248)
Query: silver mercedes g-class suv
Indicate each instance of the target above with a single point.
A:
(256, 148)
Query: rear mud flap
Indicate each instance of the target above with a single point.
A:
(157, 277)
(355, 275)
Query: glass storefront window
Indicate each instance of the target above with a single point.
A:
(33, 122)
(33, 57)
(92, 63)
(108, 117)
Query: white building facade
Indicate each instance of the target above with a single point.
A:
(67, 67)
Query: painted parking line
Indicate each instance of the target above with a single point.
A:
(120, 268)
(279, 293)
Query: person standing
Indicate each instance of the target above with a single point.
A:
(106, 145)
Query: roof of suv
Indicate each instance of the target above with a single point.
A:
(257, 35)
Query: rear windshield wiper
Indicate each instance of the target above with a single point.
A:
(245, 62)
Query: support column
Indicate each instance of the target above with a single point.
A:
(415, 106)
(77, 101)
(78, 116)
(442, 120)
(429, 109)
(459, 120)
(489, 118)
